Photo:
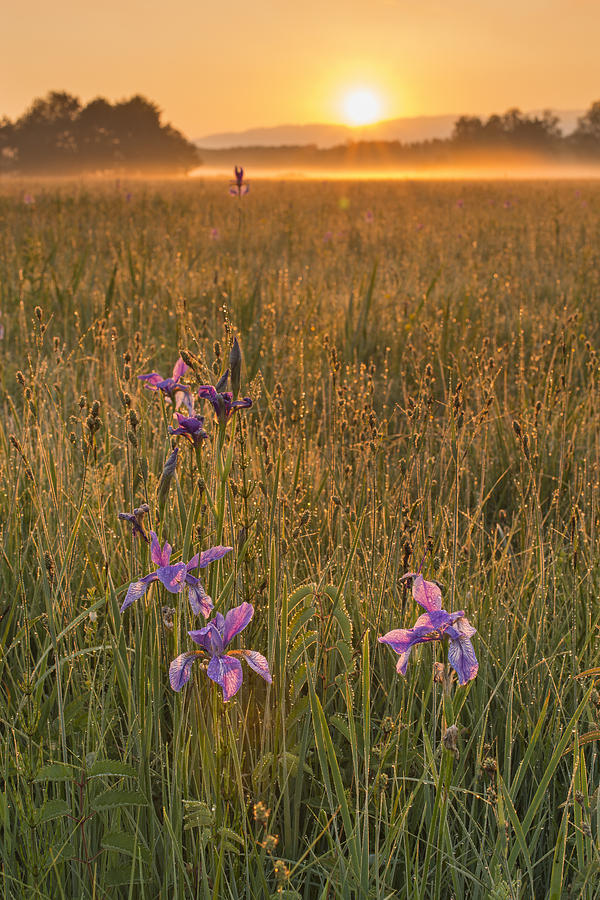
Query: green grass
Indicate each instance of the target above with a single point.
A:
(425, 385)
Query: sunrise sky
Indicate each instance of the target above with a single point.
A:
(215, 66)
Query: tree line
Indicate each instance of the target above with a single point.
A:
(541, 133)
(58, 135)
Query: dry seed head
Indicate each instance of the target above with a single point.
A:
(133, 417)
(261, 813)
(49, 563)
(387, 725)
(38, 313)
(167, 616)
(281, 872)
(82, 402)
(450, 740)
(438, 673)
(20, 378)
(126, 372)
(270, 843)
(190, 359)
(489, 766)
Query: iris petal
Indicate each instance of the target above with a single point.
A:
(227, 672)
(172, 577)
(136, 590)
(180, 669)
(236, 620)
(200, 602)
(212, 555)
(461, 656)
(258, 662)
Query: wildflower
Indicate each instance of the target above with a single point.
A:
(222, 401)
(191, 427)
(214, 234)
(435, 625)
(224, 668)
(173, 578)
(135, 520)
(175, 390)
(239, 187)
(28, 199)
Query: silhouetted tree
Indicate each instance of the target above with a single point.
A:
(586, 137)
(57, 135)
(467, 130)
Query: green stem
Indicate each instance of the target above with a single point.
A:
(438, 819)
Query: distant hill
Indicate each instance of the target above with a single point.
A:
(407, 130)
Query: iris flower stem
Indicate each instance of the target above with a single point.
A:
(163, 406)
(223, 470)
(438, 818)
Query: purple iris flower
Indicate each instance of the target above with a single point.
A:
(192, 427)
(435, 625)
(174, 577)
(239, 187)
(135, 520)
(222, 401)
(178, 392)
(224, 668)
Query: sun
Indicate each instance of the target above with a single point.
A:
(361, 107)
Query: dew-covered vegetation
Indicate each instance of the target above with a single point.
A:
(422, 360)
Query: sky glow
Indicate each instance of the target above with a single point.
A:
(229, 66)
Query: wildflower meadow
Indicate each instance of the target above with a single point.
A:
(300, 540)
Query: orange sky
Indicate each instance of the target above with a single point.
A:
(215, 66)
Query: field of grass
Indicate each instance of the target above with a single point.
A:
(423, 363)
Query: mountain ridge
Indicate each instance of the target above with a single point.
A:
(407, 129)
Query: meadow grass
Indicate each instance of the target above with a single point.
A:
(423, 360)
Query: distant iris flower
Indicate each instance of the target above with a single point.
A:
(435, 625)
(224, 668)
(191, 427)
(135, 520)
(173, 578)
(178, 392)
(239, 187)
(222, 401)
